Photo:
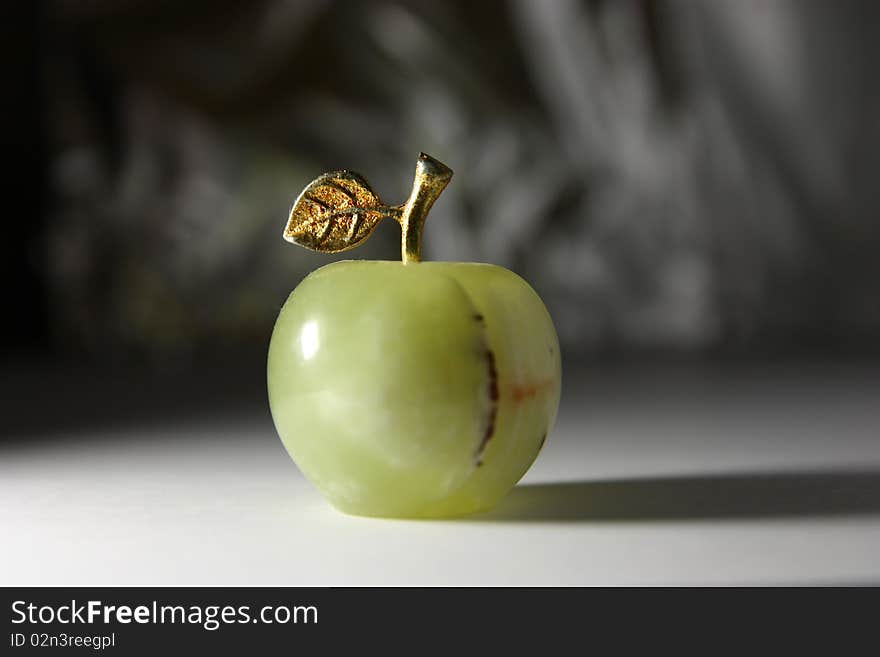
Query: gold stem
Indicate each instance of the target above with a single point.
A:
(430, 180)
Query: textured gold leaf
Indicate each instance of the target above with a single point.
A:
(336, 212)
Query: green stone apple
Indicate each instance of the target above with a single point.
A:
(408, 389)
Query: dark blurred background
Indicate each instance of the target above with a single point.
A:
(678, 180)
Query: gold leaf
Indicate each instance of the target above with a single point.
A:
(336, 212)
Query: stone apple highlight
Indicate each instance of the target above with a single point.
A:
(407, 389)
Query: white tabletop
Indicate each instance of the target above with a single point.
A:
(661, 477)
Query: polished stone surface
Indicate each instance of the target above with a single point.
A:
(416, 390)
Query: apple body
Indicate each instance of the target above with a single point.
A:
(413, 390)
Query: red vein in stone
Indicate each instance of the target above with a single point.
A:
(493, 404)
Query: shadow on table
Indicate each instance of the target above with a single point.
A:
(767, 495)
